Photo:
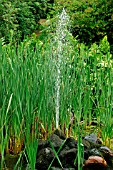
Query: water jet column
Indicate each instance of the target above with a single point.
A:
(60, 40)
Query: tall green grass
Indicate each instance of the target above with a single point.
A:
(27, 92)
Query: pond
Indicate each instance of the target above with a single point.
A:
(10, 162)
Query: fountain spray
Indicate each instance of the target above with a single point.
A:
(61, 31)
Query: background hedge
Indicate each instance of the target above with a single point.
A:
(20, 18)
(90, 20)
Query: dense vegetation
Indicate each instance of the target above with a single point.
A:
(91, 19)
(20, 18)
(29, 71)
(27, 102)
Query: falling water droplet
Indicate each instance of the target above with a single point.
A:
(60, 39)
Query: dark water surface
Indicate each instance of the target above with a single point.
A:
(10, 162)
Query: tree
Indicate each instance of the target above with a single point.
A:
(91, 20)
(20, 18)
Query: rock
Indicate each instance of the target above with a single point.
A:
(86, 144)
(96, 156)
(55, 140)
(86, 154)
(105, 149)
(95, 152)
(95, 163)
(60, 134)
(44, 158)
(67, 157)
(92, 138)
(55, 168)
(42, 144)
(107, 154)
(71, 142)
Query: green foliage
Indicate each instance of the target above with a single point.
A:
(28, 78)
(91, 20)
(8, 19)
(20, 18)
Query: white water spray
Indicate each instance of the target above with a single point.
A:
(60, 39)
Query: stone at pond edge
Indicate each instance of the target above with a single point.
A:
(71, 142)
(68, 153)
(107, 154)
(92, 138)
(42, 144)
(60, 134)
(67, 157)
(55, 141)
(95, 163)
(95, 152)
(44, 158)
(55, 168)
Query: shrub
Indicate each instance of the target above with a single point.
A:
(20, 18)
(91, 20)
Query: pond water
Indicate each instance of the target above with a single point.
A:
(10, 162)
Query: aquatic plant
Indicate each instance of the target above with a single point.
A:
(28, 93)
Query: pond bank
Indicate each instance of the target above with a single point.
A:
(59, 152)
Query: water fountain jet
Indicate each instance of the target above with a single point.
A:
(61, 31)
